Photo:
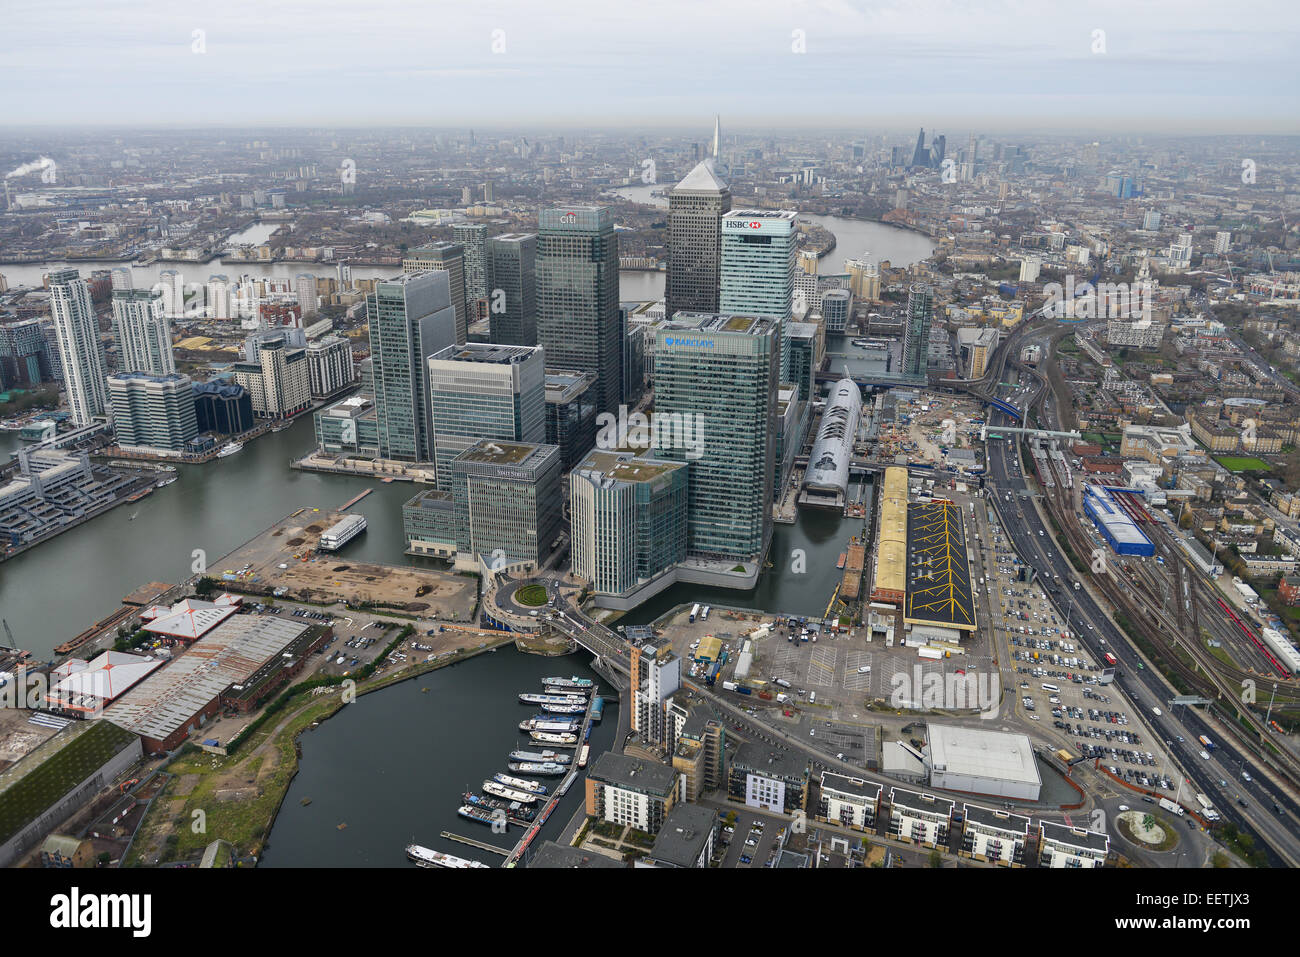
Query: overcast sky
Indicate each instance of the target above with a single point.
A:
(1227, 66)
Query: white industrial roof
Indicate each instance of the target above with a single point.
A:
(105, 678)
(190, 618)
(984, 754)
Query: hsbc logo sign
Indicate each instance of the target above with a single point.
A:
(743, 224)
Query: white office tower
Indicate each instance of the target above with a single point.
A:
(172, 287)
(1222, 242)
(217, 295)
(80, 351)
(122, 277)
(1151, 221)
(143, 333)
(304, 284)
(1029, 267)
(759, 249)
(656, 676)
(330, 366)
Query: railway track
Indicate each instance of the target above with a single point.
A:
(1214, 678)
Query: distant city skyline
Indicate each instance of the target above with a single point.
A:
(1166, 67)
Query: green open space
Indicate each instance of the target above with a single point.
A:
(1242, 463)
(531, 595)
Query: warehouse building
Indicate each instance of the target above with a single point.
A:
(938, 572)
(87, 687)
(1114, 523)
(58, 777)
(976, 761)
(179, 699)
(889, 577)
(191, 619)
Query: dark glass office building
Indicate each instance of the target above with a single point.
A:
(577, 296)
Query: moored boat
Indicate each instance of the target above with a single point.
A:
(496, 818)
(553, 739)
(427, 858)
(496, 789)
(230, 448)
(551, 699)
(544, 768)
(574, 682)
(520, 784)
(555, 756)
(517, 810)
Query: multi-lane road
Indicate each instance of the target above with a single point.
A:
(1270, 815)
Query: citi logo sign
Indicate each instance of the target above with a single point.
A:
(569, 218)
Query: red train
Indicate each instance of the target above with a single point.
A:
(1250, 633)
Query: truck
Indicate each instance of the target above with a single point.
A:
(1206, 743)
(729, 686)
(762, 631)
(782, 698)
(931, 653)
(695, 611)
(1246, 592)
(1171, 807)
(782, 682)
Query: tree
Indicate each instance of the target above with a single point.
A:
(936, 858)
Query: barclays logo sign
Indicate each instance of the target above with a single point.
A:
(697, 343)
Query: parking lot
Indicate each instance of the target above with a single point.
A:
(1058, 685)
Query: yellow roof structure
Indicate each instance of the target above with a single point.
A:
(891, 540)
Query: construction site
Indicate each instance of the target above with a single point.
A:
(285, 561)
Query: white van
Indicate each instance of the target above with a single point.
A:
(1052, 688)
(812, 697)
(865, 670)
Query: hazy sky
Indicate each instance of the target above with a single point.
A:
(1227, 66)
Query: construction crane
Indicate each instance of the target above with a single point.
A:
(13, 646)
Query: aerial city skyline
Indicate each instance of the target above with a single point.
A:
(877, 446)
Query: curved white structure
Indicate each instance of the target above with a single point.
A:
(826, 482)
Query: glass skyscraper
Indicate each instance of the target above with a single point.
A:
(81, 354)
(720, 373)
(449, 257)
(628, 516)
(577, 296)
(411, 317)
(695, 209)
(512, 300)
(473, 238)
(508, 502)
(916, 339)
(481, 391)
(758, 267)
